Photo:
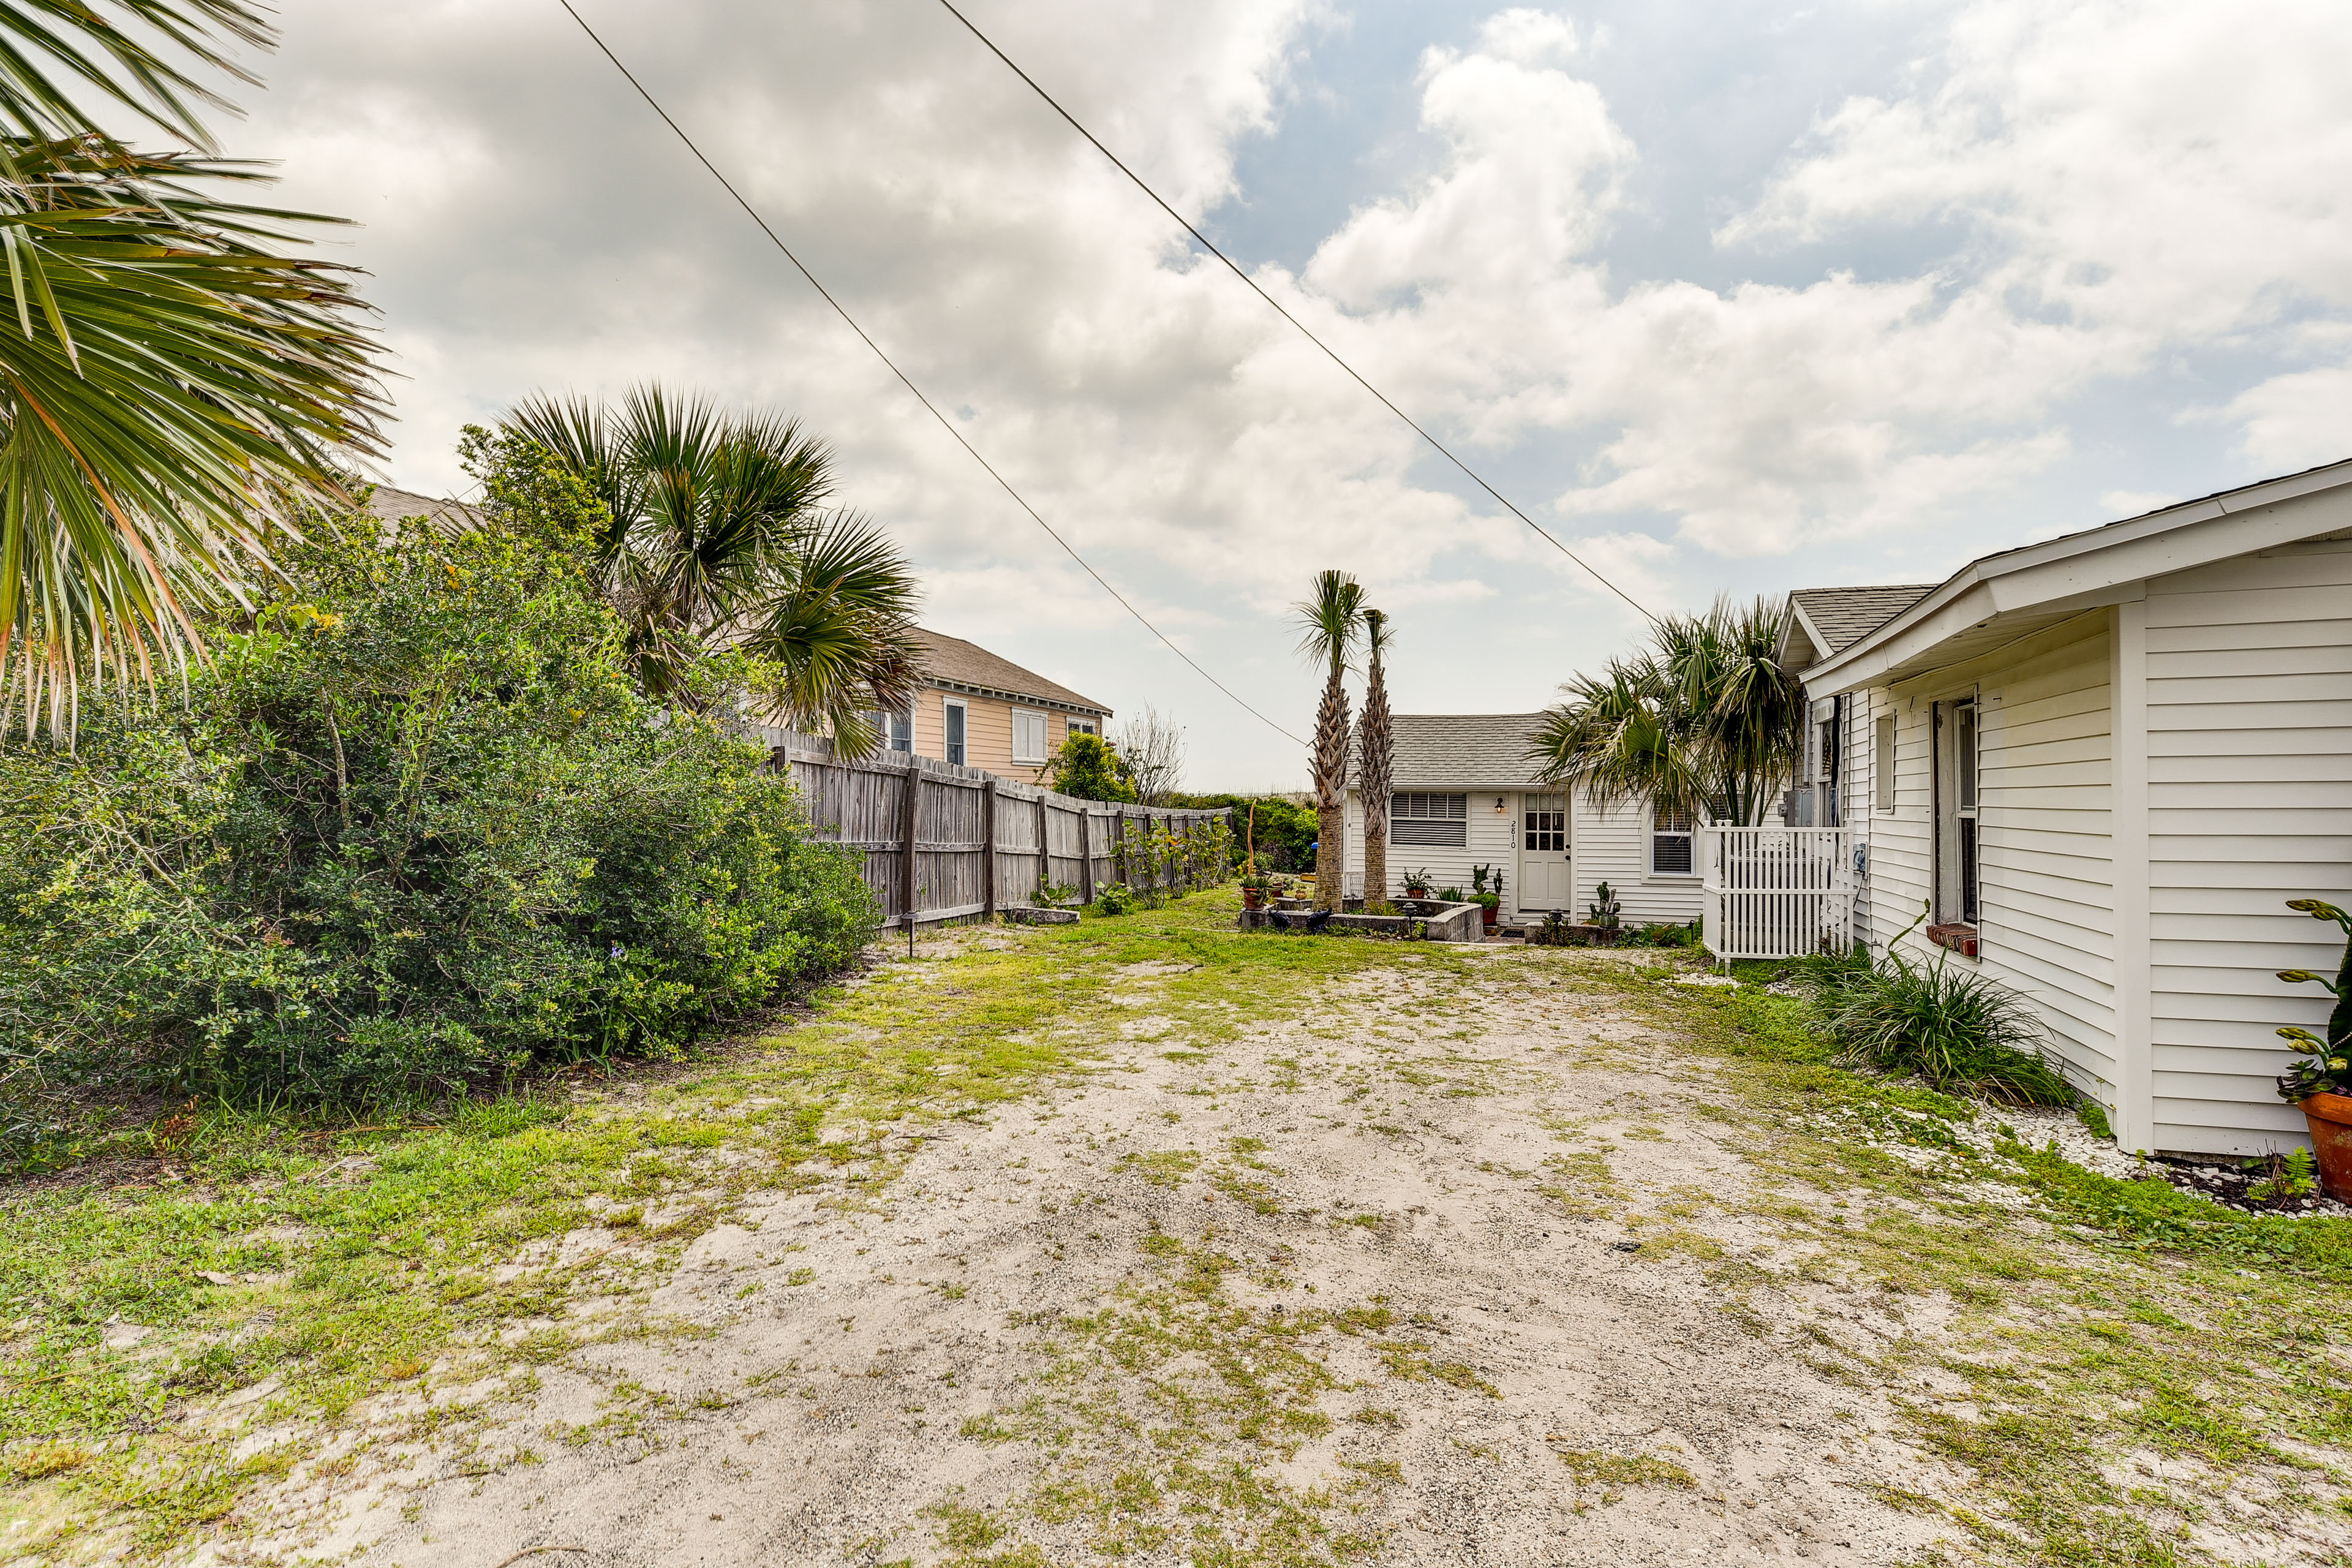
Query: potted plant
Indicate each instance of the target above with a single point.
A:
(1416, 883)
(1255, 888)
(1486, 891)
(2321, 1084)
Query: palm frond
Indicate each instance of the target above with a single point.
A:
(56, 56)
(172, 388)
(1329, 621)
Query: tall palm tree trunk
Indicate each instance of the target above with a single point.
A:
(1330, 797)
(1375, 757)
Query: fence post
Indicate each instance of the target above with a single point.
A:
(1044, 840)
(911, 808)
(988, 851)
(1086, 858)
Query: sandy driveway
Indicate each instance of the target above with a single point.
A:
(1436, 1272)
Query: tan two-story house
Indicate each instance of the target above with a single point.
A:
(982, 711)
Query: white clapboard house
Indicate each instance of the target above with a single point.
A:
(1466, 795)
(2102, 764)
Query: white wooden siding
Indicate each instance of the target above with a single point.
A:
(1489, 841)
(2249, 805)
(2044, 878)
(1612, 845)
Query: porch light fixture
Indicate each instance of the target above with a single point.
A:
(1498, 807)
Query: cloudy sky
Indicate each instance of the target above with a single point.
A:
(1734, 297)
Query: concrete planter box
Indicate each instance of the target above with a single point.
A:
(1450, 922)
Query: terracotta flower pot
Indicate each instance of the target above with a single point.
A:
(1491, 915)
(2330, 1116)
(1253, 898)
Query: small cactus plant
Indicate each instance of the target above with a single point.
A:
(2328, 1068)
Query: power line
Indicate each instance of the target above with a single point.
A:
(1443, 450)
(904, 380)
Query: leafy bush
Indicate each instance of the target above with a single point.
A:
(1661, 933)
(1285, 830)
(1117, 898)
(1089, 768)
(413, 826)
(1952, 1030)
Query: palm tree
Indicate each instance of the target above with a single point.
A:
(172, 386)
(1375, 758)
(1702, 723)
(722, 535)
(1329, 621)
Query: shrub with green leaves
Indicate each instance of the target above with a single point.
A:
(413, 826)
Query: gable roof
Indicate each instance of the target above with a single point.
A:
(1460, 751)
(959, 666)
(391, 505)
(1835, 619)
(2014, 592)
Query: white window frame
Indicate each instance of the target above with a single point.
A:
(1023, 719)
(955, 714)
(1077, 726)
(896, 728)
(1425, 819)
(1553, 811)
(1687, 835)
(1883, 752)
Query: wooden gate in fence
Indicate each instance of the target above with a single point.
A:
(949, 843)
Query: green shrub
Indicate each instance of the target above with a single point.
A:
(1951, 1028)
(1117, 898)
(411, 827)
(1661, 933)
(1285, 830)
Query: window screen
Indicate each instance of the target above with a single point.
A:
(1882, 763)
(1439, 820)
(1669, 842)
(956, 719)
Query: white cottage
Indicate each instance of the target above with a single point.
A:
(1466, 795)
(2103, 763)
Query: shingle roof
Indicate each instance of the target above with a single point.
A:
(1462, 750)
(1845, 615)
(393, 505)
(952, 661)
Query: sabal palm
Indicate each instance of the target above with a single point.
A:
(1329, 621)
(1375, 757)
(172, 385)
(721, 534)
(1702, 721)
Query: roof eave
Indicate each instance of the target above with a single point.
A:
(2101, 566)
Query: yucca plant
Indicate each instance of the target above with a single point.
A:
(1330, 622)
(1375, 758)
(2328, 1068)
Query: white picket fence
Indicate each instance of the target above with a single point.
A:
(1776, 893)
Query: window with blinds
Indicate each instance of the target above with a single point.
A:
(1437, 821)
(1670, 843)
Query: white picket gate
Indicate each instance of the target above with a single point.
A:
(1776, 893)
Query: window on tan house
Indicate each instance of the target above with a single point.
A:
(958, 724)
(1081, 727)
(1028, 736)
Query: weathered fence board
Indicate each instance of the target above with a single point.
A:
(947, 843)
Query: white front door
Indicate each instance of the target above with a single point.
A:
(1544, 883)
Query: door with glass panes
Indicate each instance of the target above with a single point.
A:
(1543, 883)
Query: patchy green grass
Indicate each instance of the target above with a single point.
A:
(312, 1269)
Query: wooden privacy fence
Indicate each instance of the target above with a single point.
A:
(948, 843)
